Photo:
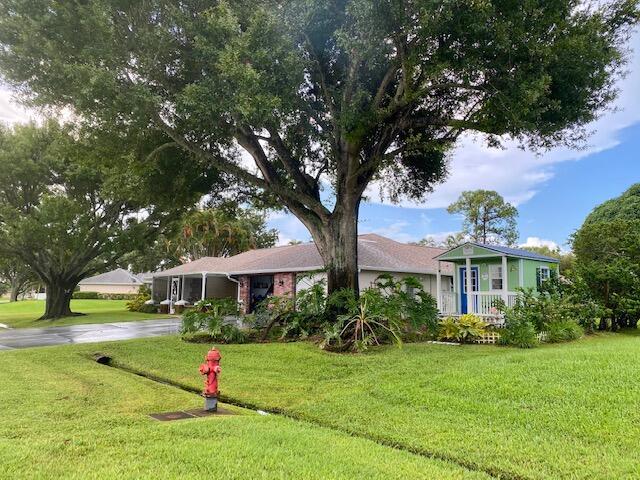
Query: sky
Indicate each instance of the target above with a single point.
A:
(553, 190)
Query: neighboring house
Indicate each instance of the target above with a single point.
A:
(115, 281)
(251, 276)
(496, 273)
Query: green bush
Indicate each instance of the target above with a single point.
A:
(562, 331)
(465, 329)
(518, 332)
(448, 329)
(86, 295)
(117, 296)
(137, 303)
(103, 296)
(206, 318)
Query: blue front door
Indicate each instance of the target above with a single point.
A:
(463, 286)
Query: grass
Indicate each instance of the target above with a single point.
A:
(25, 313)
(65, 416)
(558, 411)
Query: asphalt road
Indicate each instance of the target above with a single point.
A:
(89, 333)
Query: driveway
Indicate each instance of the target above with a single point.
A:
(89, 333)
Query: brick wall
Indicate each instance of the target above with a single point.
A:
(284, 284)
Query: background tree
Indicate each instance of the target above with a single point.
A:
(71, 204)
(608, 261)
(450, 241)
(16, 277)
(624, 207)
(566, 259)
(223, 231)
(607, 249)
(323, 94)
(487, 217)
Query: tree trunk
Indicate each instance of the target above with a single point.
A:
(15, 290)
(338, 245)
(58, 303)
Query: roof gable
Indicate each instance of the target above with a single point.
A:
(473, 249)
(119, 276)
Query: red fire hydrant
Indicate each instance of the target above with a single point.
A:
(211, 368)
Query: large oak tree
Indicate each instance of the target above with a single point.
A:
(73, 203)
(323, 94)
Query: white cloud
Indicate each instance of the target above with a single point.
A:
(518, 174)
(539, 242)
(395, 231)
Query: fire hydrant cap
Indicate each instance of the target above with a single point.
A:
(213, 354)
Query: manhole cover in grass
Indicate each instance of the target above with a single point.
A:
(169, 416)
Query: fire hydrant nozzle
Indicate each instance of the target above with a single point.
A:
(211, 369)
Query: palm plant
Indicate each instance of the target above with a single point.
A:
(367, 326)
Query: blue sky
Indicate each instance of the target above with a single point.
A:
(553, 190)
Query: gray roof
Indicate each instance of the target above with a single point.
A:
(119, 276)
(519, 252)
(374, 253)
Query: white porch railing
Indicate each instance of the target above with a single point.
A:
(448, 303)
(484, 303)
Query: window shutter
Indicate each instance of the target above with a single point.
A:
(538, 278)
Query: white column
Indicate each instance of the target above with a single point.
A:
(439, 288)
(505, 280)
(182, 289)
(204, 285)
(169, 287)
(470, 298)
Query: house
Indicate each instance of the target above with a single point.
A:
(116, 281)
(253, 275)
(496, 273)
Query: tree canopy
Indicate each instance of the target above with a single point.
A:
(487, 217)
(323, 95)
(72, 204)
(608, 261)
(624, 207)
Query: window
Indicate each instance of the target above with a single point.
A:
(474, 281)
(542, 275)
(495, 277)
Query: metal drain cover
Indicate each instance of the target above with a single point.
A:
(181, 415)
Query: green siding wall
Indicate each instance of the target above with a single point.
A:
(513, 265)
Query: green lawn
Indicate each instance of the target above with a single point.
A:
(559, 411)
(65, 416)
(25, 313)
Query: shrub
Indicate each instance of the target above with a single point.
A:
(470, 327)
(368, 325)
(207, 318)
(563, 331)
(518, 332)
(448, 329)
(85, 295)
(117, 296)
(465, 329)
(137, 303)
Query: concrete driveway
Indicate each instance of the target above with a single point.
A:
(89, 333)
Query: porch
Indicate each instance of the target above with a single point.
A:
(481, 283)
(486, 275)
(189, 289)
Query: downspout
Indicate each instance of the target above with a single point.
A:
(237, 282)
